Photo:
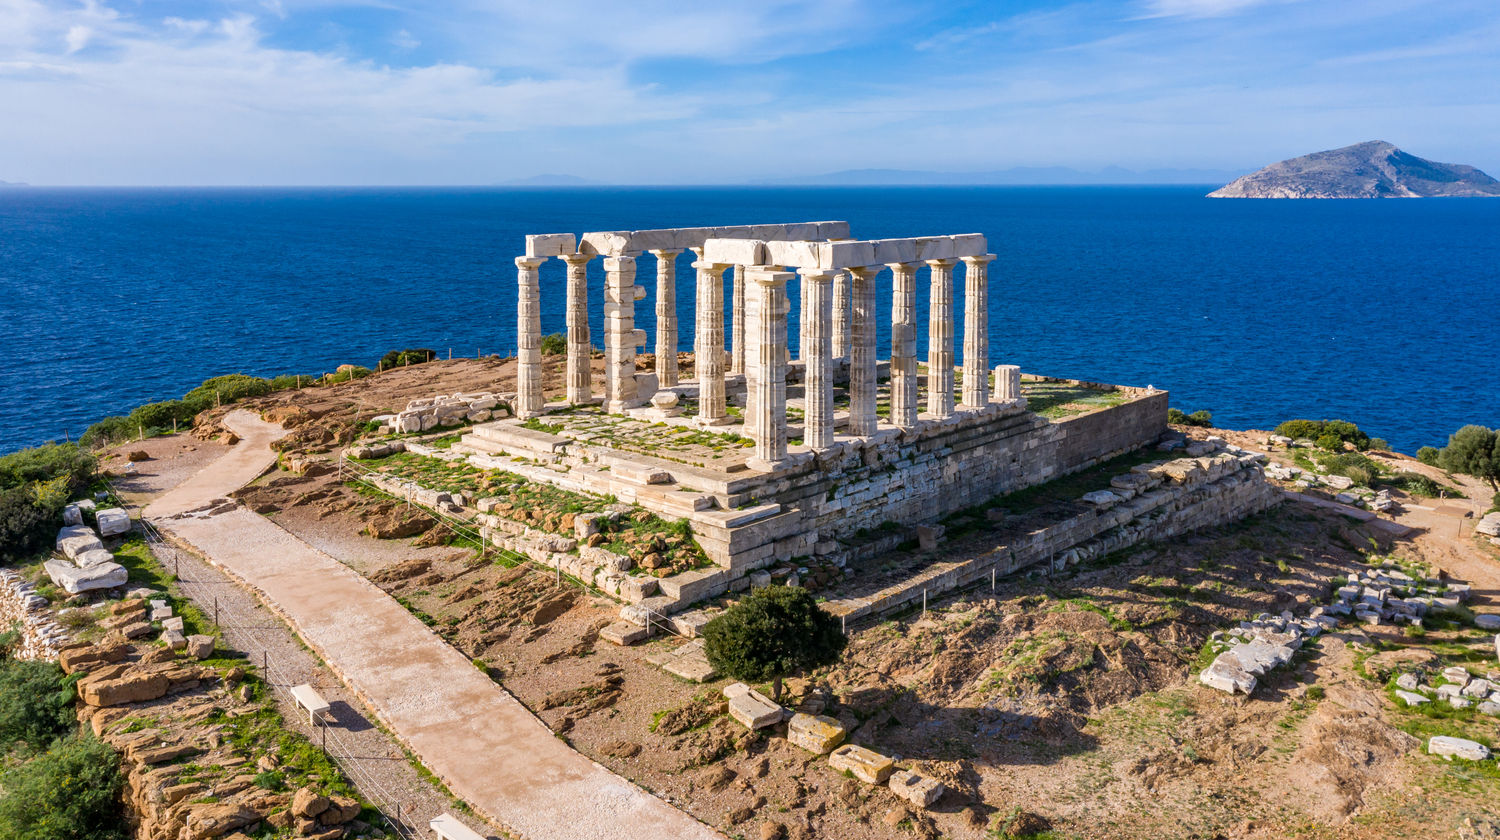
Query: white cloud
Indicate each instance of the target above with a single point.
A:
(1198, 8)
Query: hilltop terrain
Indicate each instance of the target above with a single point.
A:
(1375, 169)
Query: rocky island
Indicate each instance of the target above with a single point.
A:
(1375, 169)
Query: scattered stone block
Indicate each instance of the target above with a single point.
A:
(751, 708)
(815, 733)
(1228, 675)
(74, 580)
(1457, 674)
(161, 613)
(1450, 747)
(174, 639)
(173, 623)
(112, 521)
(919, 791)
(1408, 682)
(1487, 621)
(1410, 698)
(866, 764)
(624, 633)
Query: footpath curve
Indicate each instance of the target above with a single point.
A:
(469, 731)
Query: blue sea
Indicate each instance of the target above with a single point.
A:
(1386, 313)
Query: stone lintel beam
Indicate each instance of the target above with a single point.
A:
(846, 253)
(620, 243)
(551, 244)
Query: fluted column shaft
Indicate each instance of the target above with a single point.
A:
(862, 362)
(817, 383)
(940, 340)
(580, 353)
(769, 366)
(708, 349)
(529, 400)
(904, 405)
(620, 335)
(976, 391)
(841, 315)
(666, 317)
(737, 337)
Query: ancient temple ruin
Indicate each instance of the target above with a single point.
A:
(771, 458)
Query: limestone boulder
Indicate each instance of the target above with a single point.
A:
(93, 557)
(73, 540)
(74, 580)
(1450, 747)
(751, 708)
(1228, 675)
(126, 687)
(216, 819)
(200, 647)
(866, 764)
(815, 733)
(917, 790)
(1487, 621)
(72, 515)
(308, 803)
(112, 522)
(1489, 525)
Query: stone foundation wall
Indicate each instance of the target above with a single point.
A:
(1180, 497)
(21, 607)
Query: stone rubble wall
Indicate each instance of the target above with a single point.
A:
(1179, 497)
(444, 410)
(21, 606)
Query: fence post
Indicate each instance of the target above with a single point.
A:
(216, 611)
(992, 578)
(924, 602)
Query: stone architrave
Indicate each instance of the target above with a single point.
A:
(580, 353)
(737, 319)
(976, 383)
(769, 366)
(1007, 383)
(862, 361)
(666, 317)
(620, 339)
(940, 340)
(708, 350)
(904, 407)
(529, 400)
(817, 354)
(842, 312)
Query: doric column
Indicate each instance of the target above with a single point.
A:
(666, 317)
(841, 314)
(940, 340)
(1007, 383)
(529, 400)
(862, 362)
(708, 347)
(803, 321)
(904, 344)
(768, 369)
(737, 337)
(580, 353)
(976, 331)
(817, 353)
(620, 335)
(752, 349)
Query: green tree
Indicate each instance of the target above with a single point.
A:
(1474, 450)
(70, 792)
(1431, 456)
(772, 633)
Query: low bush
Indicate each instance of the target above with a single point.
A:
(402, 358)
(1353, 465)
(222, 390)
(1430, 455)
(35, 484)
(69, 792)
(1342, 430)
(1197, 418)
(555, 344)
(36, 704)
(345, 373)
(1416, 484)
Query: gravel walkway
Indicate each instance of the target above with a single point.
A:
(470, 732)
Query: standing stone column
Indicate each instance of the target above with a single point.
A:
(620, 335)
(752, 351)
(580, 353)
(666, 317)
(940, 340)
(1007, 383)
(529, 400)
(841, 315)
(904, 344)
(817, 383)
(862, 362)
(976, 331)
(737, 337)
(769, 366)
(708, 348)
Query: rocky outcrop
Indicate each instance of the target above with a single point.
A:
(1375, 169)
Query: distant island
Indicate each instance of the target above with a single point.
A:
(1375, 169)
(12, 183)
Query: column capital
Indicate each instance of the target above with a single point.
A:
(617, 263)
(716, 269)
(530, 262)
(819, 275)
(576, 259)
(767, 275)
(945, 263)
(982, 259)
(664, 253)
(904, 267)
(864, 271)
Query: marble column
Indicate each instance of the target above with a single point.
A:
(737, 337)
(769, 366)
(752, 351)
(666, 317)
(841, 312)
(708, 346)
(862, 362)
(580, 353)
(1007, 383)
(529, 400)
(976, 391)
(621, 338)
(817, 383)
(940, 340)
(904, 406)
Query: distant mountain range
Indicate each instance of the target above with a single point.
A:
(1375, 169)
(550, 181)
(12, 183)
(1020, 175)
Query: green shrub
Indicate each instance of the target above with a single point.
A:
(153, 418)
(1430, 455)
(288, 381)
(1416, 484)
(36, 704)
(771, 633)
(1495, 502)
(555, 344)
(222, 390)
(34, 485)
(1197, 418)
(70, 792)
(1332, 443)
(1381, 444)
(45, 463)
(347, 373)
(1343, 430)
(1474, 450)
(1353, 465)
(402, 358)
(107, 432)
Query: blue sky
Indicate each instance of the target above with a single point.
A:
(475, 92)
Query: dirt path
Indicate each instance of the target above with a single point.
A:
(469, 731)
